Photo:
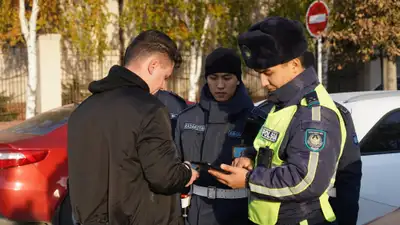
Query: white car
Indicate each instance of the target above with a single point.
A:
(376, 116)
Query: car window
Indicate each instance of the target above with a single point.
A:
(43, 123)
(384, 137)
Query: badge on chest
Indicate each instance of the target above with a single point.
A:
(234, 134)
(195, 127)
(269, 135)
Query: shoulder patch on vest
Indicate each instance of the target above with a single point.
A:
(315, 139)
(269, 135)
(196, 127)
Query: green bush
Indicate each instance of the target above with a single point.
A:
(6, 115)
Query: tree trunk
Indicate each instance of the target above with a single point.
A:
(121, 33)
(390, 75)
(193, 74)
(196, 61)
(29, 32)
(32, 79)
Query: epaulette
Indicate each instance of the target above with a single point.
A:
(343, 109)
(265, 106)
(262, 109)
(187, 109)
(312, 99)
(175, 95)
(262, 104)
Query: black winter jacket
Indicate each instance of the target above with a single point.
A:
(123, 164)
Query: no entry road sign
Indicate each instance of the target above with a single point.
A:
(317, 18)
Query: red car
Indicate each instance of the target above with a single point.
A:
(34, 169)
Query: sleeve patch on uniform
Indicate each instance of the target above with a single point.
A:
(315, 139)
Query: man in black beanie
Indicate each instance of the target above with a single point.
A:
(212, 132)
(223, 63)
(302, 139)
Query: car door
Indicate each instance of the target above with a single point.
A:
(380, 155)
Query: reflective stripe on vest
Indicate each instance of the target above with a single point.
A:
(266, 212)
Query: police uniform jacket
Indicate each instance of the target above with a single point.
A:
(174, 103)
(207, 132)
(295, 153)
(344, 199)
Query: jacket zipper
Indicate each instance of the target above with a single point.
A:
(204, 134)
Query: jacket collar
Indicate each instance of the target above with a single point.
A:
(292, 92)
(118, 77)
(222, 112)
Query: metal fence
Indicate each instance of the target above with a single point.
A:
(13, 81)
(179, 82)
(77, 73)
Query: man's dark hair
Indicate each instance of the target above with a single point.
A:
(152, 41)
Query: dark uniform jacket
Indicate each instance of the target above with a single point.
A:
(123, 165)
(295, 152)
(174, 103)
(348, 175)
(207, 132)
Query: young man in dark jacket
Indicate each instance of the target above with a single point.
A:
(123, 165)
(208, 132)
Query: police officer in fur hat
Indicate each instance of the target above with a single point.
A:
(298, 147)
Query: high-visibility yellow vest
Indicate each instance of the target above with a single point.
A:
(266, 212)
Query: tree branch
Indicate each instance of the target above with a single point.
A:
(33, 19)
(205, 30)
(22, 19)
(186, 16)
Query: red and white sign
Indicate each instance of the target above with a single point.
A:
(317, 18)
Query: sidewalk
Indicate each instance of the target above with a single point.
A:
(392, 218)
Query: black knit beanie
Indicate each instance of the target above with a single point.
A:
(224, 60)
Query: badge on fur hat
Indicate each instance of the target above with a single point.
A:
(246, 51)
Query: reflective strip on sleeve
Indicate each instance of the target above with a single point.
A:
(316, 113)
(304, 222)
(288, 191)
